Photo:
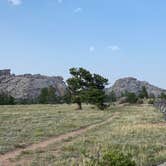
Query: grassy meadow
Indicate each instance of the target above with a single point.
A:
(21, 125)
(138, 130)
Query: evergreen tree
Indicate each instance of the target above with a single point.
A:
(6, 99)
(163, 95)
(48, 96)
(111, 97)
(86, 87)
(143, 93)
(131, 97)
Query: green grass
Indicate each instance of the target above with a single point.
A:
(22, 125)
(138, 130)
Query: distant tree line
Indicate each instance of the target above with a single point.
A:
(93, 95)
(47, 96)
(6, 99)
(132, 98)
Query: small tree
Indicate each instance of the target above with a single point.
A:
(86, 87)
(52, 97)
(143, 93)
(111, 97)
(48, 96)
(43, 96)
(131, 97)
(163, 95)
(6, 99)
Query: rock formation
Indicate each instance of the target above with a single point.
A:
(29, 86)
(133, 85)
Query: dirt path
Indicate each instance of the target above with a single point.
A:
(5, 159)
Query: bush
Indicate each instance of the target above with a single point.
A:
(111, 97)
(48, 96)
(113, 158)
(6, 99)
(163, 96)
(26, 101)
(151, 101)
(143, 93)
(140, 101)
(131, 98)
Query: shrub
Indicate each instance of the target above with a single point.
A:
(151, 101)
(140, 101)
(113, 158)
(6, 99)
(111, 97)
(48, 96)
(143, 93)
(131, 97)
(163, 96)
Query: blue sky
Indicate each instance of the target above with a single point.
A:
(115, 38)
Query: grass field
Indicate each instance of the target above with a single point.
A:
(139, 130)
(24, 125)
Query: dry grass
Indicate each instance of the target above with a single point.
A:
(139, 130)
(27, 124)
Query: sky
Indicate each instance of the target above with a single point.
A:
(114, 38)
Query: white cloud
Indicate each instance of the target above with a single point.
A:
(60, 1)
(114, 47)
(91, 48)
(15, 2)
(78, 10)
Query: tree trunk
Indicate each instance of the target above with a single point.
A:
(79, 106)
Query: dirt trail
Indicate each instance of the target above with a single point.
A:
(5, 159)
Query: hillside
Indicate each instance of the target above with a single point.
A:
(131, 84)
(28, 86)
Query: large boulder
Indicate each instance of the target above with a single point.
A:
(134, 86)
(29, 86)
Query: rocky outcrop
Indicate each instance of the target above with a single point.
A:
(29, 86)
(133, 85)
(5, 72)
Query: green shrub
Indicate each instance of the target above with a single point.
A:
(113, 158)
(131, 98)
(143, 93)
(6, 99)
(163, 95)
(111, 97)
(151, 101)
(48, 96)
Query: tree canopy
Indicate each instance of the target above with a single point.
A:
(86, 87)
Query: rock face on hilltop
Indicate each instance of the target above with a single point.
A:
(29, 86)
(133, 85)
